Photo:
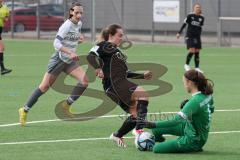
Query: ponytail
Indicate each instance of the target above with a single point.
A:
(109, 30)
(103, 35)
(204, 85)
(207, 87)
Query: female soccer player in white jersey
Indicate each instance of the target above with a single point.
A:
(194, 21)
(63, 60)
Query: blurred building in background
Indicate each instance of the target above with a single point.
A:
(222, 18)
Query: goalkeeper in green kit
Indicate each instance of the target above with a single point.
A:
(192, 123)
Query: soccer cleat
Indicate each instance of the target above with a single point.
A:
(118, 140)
(199, 70)
(5, 71)
(187, 67)
(22, 116)
(136, 132)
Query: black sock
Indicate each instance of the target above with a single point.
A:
(76, 93)
(197, 60)
(189, 57)
(1, 61)
(126, 127)
(33, 99)
(141, 113)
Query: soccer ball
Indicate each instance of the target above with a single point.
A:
(145, 141)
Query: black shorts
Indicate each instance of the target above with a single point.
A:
(121, 92)
(1, 29)
(193, 42)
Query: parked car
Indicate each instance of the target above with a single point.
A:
(51, 17)
(52, 9)
(17, 5)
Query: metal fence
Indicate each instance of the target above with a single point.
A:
(41, 19)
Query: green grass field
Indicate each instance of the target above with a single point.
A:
(29, 59)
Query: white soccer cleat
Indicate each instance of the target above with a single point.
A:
(187, 67)
(118, 140)
(199, 70)
(137, 132)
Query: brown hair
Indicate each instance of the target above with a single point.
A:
(204, 85)
(109, 30)
(71, 8)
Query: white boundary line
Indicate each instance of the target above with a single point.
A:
(107, 116)
(88, 139)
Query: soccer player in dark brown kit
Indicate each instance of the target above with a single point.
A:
(110, 65)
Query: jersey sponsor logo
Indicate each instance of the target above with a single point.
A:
(72, 36)
(195, 23)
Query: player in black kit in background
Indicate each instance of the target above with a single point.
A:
(110, 65)
(195, 22)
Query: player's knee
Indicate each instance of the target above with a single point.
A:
(143, 97)
(84, 82)
(141, 94)
(44, 88)
(2, 48)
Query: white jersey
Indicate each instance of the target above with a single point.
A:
(69, 34)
